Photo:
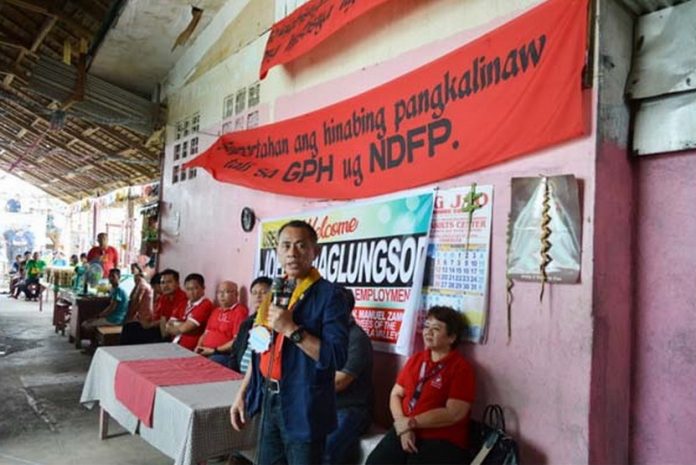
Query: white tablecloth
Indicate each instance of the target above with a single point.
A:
(190, 423)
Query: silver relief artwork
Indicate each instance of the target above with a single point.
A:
(550, 204)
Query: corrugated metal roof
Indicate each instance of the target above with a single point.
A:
(663, 79)
(664, 61)
(641, 7)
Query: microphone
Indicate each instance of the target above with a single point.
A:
(281, 291)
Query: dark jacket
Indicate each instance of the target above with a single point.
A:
(240, 343)
(307, 391)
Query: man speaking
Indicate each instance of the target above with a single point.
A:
(294, 378)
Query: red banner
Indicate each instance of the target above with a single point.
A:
(308, 26)
(513, 91)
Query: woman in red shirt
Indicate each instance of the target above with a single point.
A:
(431, 400)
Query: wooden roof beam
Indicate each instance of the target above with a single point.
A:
(91, 143)
(38, 40)
(89, 131)
(38, 133)
(22, 47)
(37, 168)
(92, 8)
(125, 172)
(122, 139)
(49, 9)
(22, 160)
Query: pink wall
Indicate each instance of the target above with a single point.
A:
(612, 304)
(664, 404)
(542, 377)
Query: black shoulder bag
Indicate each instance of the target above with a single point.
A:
(493, 446)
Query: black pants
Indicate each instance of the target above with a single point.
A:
(134, 333)
(430, 451)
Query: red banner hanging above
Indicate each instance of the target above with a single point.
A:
(308, 26)
(513, 91)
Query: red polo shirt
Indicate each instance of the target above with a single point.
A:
(197, 312)
(456, 380)
(223, 325)
(169, 304)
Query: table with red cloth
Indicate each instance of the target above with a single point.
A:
(189, 422)
(136, 381)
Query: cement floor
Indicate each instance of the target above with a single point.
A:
(41, 377)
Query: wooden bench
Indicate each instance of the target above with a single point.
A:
(367, 443)
(108, 335)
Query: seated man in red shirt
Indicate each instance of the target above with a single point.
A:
(186, 326)
(223, 324)
(172, 300)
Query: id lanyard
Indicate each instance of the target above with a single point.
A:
(423, 378)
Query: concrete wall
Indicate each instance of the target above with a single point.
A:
(644, 361)
(543, 376)
(664, 408)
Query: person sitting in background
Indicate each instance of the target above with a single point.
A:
(103, 254)
(172, 301)
(186, 325)
(15, 275)
(58, 259)
(79, 277)
(156, 285)
(140, 299)
(240, 353)
(353, 384)
(223, 324)
(14, 269)
(34, 268)
(431, 400)
(22, 275)
(114, 314)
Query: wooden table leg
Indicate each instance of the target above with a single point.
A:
(103, 423)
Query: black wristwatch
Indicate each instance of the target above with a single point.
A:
(297, 335)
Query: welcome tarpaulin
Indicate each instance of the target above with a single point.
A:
(513, 91)
(308, 26)
(378, 250)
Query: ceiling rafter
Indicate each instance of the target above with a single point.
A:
(92, 142)
(87, 159)
(38, 40)
(37, 169)
(49, 9)
(61, 164)
(69, 156)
